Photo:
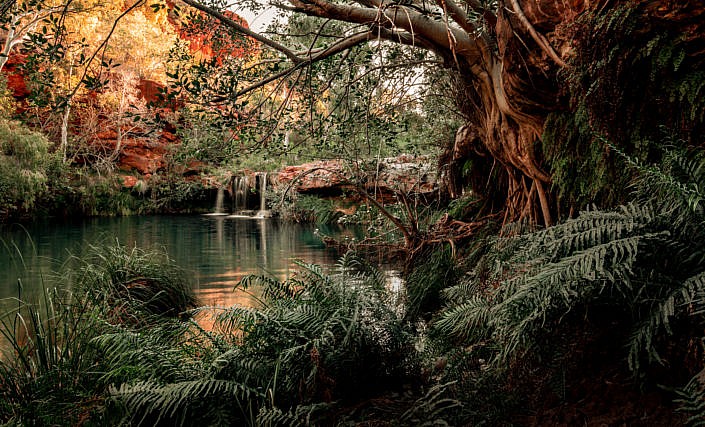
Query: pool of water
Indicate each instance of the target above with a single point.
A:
(217, 251)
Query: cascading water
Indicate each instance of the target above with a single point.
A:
(262, 181)
(240, 188)
(263, 192)
(219, 201)
(243, 203)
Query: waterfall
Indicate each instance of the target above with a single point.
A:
(218, 209)
(240, 188)
(244, 202)
(263, 212)
(263, 192)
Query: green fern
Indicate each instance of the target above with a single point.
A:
(312, 339)
(691, 400)
(173, 403)
(301, 415)
(432, 408)
(644, 262)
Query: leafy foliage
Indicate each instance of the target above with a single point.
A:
(314, 209)
(53, 369)
(426, 280)
(48, 370)
(692, 400)
(134, 282)
(652, 75)
(637, 268)
(314, 340)
(27, 169)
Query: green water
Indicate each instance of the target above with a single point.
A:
(217, 251)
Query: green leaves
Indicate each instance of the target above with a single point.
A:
(167, 404)
(314, 338)
(26, 167)
(642, 261)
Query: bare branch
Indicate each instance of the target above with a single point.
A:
(6, 5)
(335, 48)
(395, 17)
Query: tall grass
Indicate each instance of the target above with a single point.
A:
(52, 372)
(49, 372)
(132, 283)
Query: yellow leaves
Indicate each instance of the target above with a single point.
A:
(142, 46)
(140, 41)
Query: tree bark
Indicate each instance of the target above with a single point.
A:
(504, 60)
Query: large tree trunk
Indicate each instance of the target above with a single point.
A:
(508, 100)
(506, 67)
(512, 66)
(509, 81)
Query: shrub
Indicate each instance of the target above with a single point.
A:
(54, 371)
(427, 279)
(315, 210)
(133, 284)
(49, 372)
(26, 167)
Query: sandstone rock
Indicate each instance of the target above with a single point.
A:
(398, 174)
(129, 181)
(15, 79)
(313, 176)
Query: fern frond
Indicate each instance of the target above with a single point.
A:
(301, 415)
(173, 401)
(236, 318)
(466, 288)
(272, 289)
(659, 316)
(432, 408)
(236, 364)
(154, 354)
(467, 320)
(691, 400)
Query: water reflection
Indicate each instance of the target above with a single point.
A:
(219, 251)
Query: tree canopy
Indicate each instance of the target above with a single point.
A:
(514, 68)
(526, 85)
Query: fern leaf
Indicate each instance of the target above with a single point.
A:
(466, 320)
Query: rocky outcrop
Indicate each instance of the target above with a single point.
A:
(405, 174)
(15, 79)
(323, 176)
(143, 156)
(141, 148)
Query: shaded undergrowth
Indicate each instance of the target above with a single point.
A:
(51, 370)
(526, 322)
(611, 292)
(316, 346)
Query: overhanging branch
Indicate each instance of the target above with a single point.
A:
(538, 38)
(340, 46)
(397, 17)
